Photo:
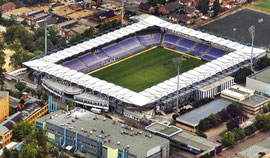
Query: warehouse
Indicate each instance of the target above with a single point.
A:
(81, 130)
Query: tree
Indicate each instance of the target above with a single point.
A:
(2, 69)
(261, 154)
(201, 134)
(20, 86)
(228, 139)
(89, 32)
(224, 115)
(250, 130)
(6, 152)
(39, 44)
(235, 109)
(22, 129)
(39, 93)
(75, 38)
(28, 150)
(45, 97)
(216, 7)
(263, 62)
(70, 104)
(204, 125)
(262, 121)
(239, 134)
(19, 57)
(214, 119)
(203, 6)
(232, 124)
(241, 75)
(19, 32)
(266, 109)
(15, 45)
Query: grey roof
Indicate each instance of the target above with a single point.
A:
(255, 100)
(195, 141)
(162, 129)
(262, 75)
(252, 151)
(3, 94)
(203, 111)
(139, 143)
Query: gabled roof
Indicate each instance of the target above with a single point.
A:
(172, 5)
(8, 6)
(144, 6)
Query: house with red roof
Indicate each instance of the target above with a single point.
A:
(8, 7)
(169, 7)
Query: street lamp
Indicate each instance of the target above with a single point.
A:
(177, 62)
(251, 30)
(234, 30)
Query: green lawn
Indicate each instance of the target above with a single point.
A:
(145, 70)
(265, 4)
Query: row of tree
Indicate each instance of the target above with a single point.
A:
(198, 103)
(204, 7)
(263, 62)
(232, 137)
(213, 120)
(35, 143)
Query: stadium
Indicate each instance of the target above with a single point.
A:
(133, 65)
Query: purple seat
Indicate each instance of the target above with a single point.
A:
(210, 58)
(180, 48)
(113, 49)
(195, 53)
(168, 44)
(101, 54)
(84, 69)
(74, 64)
(186, 43)
(95, 65)
(145, 40)
(156, 38)
(88, 59)
(121, 55)
(216, 52)
(130, 43)
(201, 47)
(171, 38)
(133, 50)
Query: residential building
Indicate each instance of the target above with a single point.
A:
(180, 18)
(105, 17)
(146, 8)
(8, 7)
(31, 109)
(169, 7)
(84, 131)
(260, 81)
(252, 102)
(4, 105)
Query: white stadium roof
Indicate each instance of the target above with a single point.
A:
(47, 63)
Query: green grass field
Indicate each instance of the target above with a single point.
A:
(145, 70)
(264, 4)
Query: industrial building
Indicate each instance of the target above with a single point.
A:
(29, 109)
(190, 123)
(4, 105)
(252, 102)
(84, 131)
(260, 81)
(190, 142)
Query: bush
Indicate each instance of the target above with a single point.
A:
(250, 130)
(201, 102)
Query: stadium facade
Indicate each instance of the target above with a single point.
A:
(69, 66)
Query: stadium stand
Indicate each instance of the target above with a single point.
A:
(201, 47)
(216, 52)
(195, 53)
(180, 48)
(208, 57)
(112, 50)
(84, 69)
(145, 40)
(186, 43)
(156, 38)
(171, 38)
(129, 43)
(88, 59)
(74, 64)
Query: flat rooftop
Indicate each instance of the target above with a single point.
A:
(195, 141)
(255, 100)
(90, 125)
(216, 83)
(262, 75)
(162, 129)
(193, 117)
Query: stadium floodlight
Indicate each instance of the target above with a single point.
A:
(177, 62)
(46, 34)
(251, 30)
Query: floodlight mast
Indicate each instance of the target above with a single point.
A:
(177, 62)
(46, 35)
(251, 30)
(122, 13)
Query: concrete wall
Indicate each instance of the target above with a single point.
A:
(257, 85)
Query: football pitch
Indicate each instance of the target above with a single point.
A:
(146, 70)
